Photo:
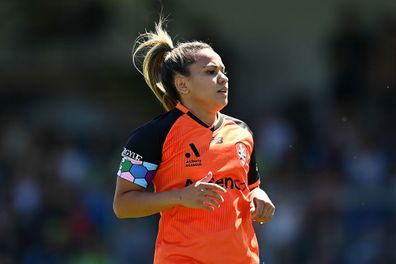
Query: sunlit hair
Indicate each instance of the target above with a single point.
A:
(162, 61)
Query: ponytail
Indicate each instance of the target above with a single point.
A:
(161, 61)
(155, 46)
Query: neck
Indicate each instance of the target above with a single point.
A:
(208, 117)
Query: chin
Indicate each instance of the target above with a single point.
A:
(222, 104)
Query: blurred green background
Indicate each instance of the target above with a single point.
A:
(315, 80)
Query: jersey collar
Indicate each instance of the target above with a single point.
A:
(199, 121)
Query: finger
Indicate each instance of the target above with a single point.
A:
(211, 201)
(252, 207)
(207, 178)
(267, 211)
(205, 206)
(214, 194)
(259, 208)
(249, 196)
(272, 211)
(213, 186)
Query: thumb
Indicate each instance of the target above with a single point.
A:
(250, 196)
(207, 178)
(252, 206)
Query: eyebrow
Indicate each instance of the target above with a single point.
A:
(214, 65)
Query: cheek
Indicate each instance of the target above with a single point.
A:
(204, 84)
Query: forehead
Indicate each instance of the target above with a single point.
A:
(207, 57)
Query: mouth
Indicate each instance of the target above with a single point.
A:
(224, 91)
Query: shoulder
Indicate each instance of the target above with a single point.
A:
(146, 141)
(158, 125)
(237, 122)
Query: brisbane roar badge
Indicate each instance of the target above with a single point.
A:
(242, 152)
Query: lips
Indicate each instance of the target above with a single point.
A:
(224, 90)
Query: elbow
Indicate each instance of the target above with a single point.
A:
(117, 210)
(126, 207)
(117, 213)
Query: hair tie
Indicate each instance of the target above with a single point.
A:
(161, 87)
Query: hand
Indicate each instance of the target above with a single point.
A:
(261, 208)
(202, 194)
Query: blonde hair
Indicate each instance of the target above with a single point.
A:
(162, 61)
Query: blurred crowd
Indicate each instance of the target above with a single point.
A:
(332, 167)
(328, 164)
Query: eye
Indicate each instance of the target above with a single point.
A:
(211, 72)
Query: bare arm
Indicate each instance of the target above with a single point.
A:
(131, 201)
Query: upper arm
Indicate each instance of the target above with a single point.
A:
(140, 157)
(142, 154)
(138, 172)
(124, 186)
(135, 172)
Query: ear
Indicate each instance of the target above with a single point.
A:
(180, 84)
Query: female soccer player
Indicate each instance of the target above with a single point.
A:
(200, 161)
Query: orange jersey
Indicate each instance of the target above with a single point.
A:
(177, 149)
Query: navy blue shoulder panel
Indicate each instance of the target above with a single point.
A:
(238, 122)
(146, 142)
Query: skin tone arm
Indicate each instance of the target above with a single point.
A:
(130, 200)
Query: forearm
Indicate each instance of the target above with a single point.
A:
(138, 204)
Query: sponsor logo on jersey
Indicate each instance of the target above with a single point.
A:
(242, 152)
(226, 182)
(193, 159)
(126, 153)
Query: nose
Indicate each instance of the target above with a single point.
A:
(223, 78)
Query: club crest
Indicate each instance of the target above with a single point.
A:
(242, 152)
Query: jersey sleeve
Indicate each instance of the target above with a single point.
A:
(141, 156)
(253, 174)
